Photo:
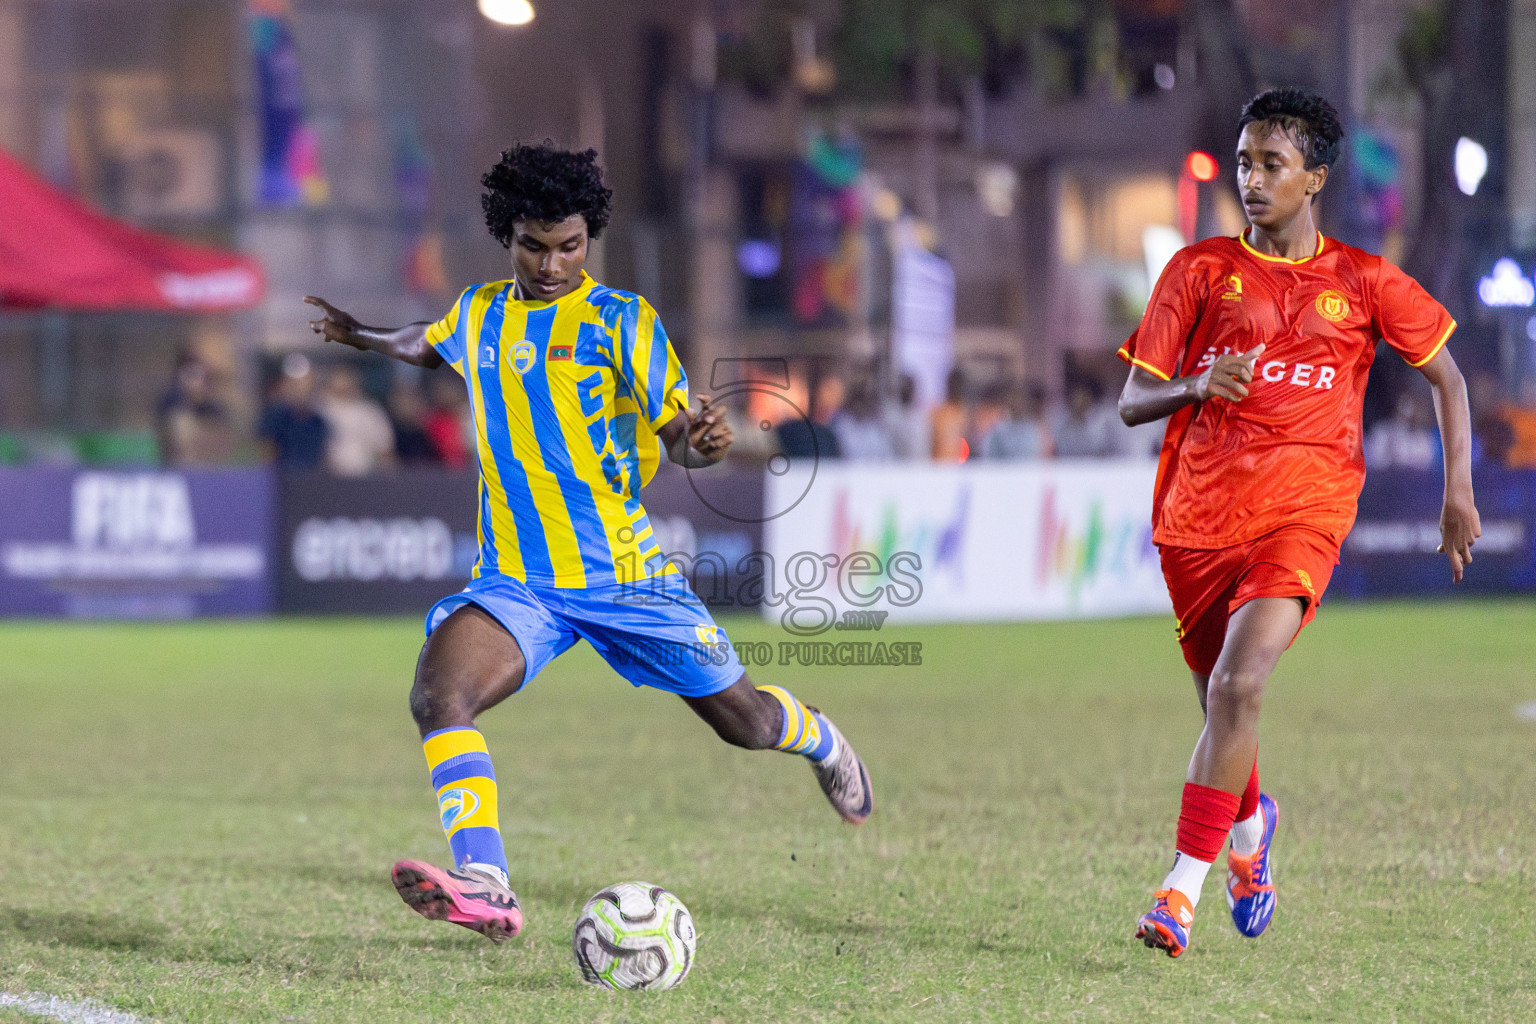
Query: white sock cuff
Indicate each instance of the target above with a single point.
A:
(1187, 876)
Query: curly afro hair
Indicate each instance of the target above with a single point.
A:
(545, 184)
(1309, 120)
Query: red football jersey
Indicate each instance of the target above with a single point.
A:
(1290, 452)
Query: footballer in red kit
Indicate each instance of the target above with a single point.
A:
(1257, 349)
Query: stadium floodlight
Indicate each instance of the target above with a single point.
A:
(1201, 166)
(507, 12)
(1506, 286)
(1471, 165)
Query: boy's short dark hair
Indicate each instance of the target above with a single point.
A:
(545, 184)
(1309, 120)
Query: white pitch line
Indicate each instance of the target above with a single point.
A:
(70, 1011)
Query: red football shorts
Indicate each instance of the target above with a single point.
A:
(1207, 586)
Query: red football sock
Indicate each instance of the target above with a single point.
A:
(1205, 818)
(1250, 802)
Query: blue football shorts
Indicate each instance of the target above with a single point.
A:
(654, 633)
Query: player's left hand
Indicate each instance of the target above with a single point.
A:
(1459, 529)
(710, 435)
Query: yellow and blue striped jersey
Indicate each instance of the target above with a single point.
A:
(568, 397)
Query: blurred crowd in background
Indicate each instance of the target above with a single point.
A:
(944, 234)
(354, 418)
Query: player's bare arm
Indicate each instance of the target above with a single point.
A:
(407, 344)
(1147, 397)
(698, 441)
(1459, 523)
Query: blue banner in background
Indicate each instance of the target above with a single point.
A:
(96, 544)
(1391, 551)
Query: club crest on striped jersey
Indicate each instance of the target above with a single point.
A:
(456, 805)
(523, 355)
(1332, 306)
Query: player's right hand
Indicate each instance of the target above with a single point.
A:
(1229, 376)
(337, 325)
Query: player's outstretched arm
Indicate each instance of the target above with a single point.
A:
(1459, 523)
(698, 441)
(407, 344)
(1148, 397)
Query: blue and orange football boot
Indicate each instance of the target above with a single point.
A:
(1250, 885)
(1166, 926)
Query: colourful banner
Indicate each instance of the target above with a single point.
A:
(290, 151)
(964, 543)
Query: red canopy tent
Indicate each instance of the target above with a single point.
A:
(56, 251)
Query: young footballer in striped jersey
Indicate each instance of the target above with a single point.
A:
(575, 390)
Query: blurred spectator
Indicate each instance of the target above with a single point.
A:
(1086, 428)
(1492, 435)
(905, 423)
(1404, 439)
(991, 409)
(407, 414)
(861, 431)
(809, 436)
(946, 423)
(447, 420)
(1022, 433)
(361, 440)
(1521, 417)
(195, 428)
(291, 432)
(1143, 441)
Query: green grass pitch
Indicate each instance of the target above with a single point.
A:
(197, 821)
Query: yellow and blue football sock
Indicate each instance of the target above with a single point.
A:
(805, 731)
(465, 783)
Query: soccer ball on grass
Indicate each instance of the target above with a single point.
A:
(634, 935)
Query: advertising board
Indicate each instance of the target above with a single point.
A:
(926, 542)
(98, 544)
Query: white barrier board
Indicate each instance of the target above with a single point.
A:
(932, 543)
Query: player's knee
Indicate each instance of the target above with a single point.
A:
(428, 709)
(1239, 690)
(440, 705)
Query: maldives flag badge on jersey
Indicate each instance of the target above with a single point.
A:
(559, 353)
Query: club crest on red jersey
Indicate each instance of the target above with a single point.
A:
(1234, 290)
(1332, 306)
